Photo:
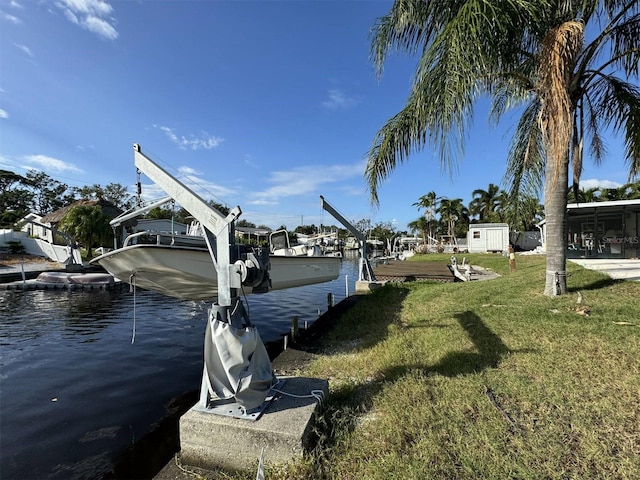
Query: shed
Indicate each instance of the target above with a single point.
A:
(488, 237)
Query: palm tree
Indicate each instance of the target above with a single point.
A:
(633, 190)
(452, 211)
(613, 193)
(485, 202)
(430, 203)
(583, 196)
(508, 207)
(422, 225)
(527, 212)
(526, 53)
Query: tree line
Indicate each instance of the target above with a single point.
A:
(37, 192)
(444, 216)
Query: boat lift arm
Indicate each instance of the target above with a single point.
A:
(236, 361)
(116, 222)
(214, 223)
(365, 272)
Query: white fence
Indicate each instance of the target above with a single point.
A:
(41, 248)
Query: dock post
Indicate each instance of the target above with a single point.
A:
(294, 327)
(329, 300)
(512, 259)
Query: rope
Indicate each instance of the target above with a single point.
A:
(317, 394)
(556, 279)
(132, 288)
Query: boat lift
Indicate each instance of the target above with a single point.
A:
(237, 375)
(365, 272)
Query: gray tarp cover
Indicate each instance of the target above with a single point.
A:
(237, 363)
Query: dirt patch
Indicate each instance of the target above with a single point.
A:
(17, 259)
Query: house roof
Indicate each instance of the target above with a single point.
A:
(108, 208)
(613, 203)
(590, 207)
(488, 225)
(612, 206)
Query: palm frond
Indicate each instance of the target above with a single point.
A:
(407, 27)
(616, 103)
(526, 157)
(393, 144)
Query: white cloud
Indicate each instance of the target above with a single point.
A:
(338, 100)
(249, 161)
(303, 180)
(262, 202)
(595, 183)
(50, 163)
(10, 18)
(3, 113)
(85, 148)
(5, 163)
(92, 15)
(25, 49)
(203, 142)
(184, 170)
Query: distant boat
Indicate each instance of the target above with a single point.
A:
(181, 266)
(375, 243)
(351, 243)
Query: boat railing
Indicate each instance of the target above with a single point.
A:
(162, 238)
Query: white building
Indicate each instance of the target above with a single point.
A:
(488, 237)
(602, 229)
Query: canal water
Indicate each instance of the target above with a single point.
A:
(75, 392)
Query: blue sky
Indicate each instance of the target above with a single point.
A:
(264, 104)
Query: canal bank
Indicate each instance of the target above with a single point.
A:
(14, 268)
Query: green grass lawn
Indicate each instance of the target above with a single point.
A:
(485, 379)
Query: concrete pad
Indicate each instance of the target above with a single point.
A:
(365, 286)
(284, 431)
(618, 269)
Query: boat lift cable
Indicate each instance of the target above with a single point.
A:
(187, 179)
(132, 282)
(317, 394)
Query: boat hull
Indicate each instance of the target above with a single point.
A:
(189, 273)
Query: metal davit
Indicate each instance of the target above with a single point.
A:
(237, 376)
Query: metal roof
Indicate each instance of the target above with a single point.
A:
(610, 204)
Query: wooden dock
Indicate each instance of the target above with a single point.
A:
(398, 271)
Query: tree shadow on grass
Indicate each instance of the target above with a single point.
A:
(490, 349)
(352, 401)
(598, 284)
(361, 325)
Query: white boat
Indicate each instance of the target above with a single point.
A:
(352, 243)
(181, 266)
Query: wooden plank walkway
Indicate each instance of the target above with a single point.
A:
(398, 271)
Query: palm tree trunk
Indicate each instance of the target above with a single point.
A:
(555, 206)
(559, 49)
